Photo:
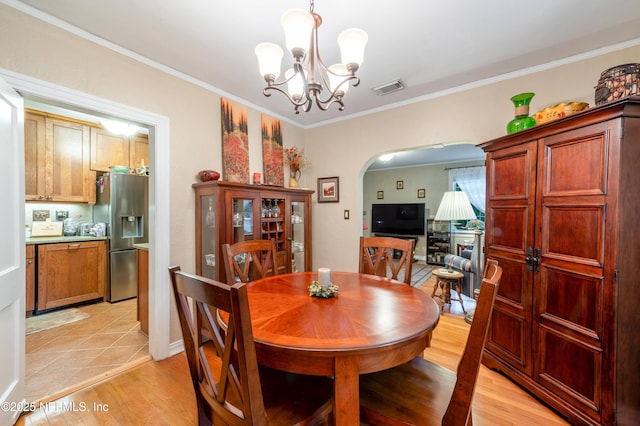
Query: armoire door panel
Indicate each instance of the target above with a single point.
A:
(571, 369)
(509, 226)
(573, 232)
(572, 302)
(575, 163)
(512, 173)
(515, 285)
(507, 338)
(576, 166)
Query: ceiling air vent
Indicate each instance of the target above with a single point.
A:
(388, 87)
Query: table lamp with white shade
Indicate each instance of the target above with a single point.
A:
(455, 206)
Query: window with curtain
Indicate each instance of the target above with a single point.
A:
(471, 180)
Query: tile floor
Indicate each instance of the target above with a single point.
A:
(65, 356)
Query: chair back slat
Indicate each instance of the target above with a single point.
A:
(248, 261)
(377, 257)
(223, 366)
(459, 409)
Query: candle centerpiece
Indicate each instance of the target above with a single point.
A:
(323, 287)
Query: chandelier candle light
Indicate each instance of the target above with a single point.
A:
(309, 75)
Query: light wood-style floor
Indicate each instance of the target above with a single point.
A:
(160, 393)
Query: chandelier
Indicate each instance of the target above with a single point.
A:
(309, 76)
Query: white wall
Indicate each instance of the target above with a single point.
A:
(38, 50)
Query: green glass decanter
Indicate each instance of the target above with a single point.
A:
(522, 118)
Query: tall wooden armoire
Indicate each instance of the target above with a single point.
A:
(563, 221)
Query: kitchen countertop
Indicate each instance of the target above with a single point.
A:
(62, 239)
(142, 246)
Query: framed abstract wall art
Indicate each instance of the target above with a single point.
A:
(272, 155)
(235, 142)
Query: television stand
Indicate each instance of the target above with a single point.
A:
(402, 237)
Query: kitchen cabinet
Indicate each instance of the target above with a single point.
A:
(562, 218)
(108, 149)
(34, 156)
(30, 279)
(142, 301)
(57, 160)
(138, 150)
(70, 273)
(229, 212)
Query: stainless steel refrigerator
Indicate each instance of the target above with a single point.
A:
(122, 202)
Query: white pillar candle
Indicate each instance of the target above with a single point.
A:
(323, 276)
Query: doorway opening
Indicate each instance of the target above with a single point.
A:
(414, 176)
(98, 337)
(158, 126)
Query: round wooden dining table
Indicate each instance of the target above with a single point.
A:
(372, 324)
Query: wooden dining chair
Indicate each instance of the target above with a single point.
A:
(423, 393)
(377, 257)
(248, 261)
(230, 387)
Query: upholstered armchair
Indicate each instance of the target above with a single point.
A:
(467, 263)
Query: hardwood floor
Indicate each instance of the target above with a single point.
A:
(497, 400)
(160, 393)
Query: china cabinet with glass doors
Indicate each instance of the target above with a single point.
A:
(228, 212)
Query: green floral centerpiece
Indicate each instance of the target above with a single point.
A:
(318, 290)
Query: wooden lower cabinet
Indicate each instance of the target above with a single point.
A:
(31, 279)
(143, 289)
(70, 273)
(562, 215)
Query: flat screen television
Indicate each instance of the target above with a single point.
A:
(398, 219)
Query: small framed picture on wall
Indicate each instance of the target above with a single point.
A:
(399, 184)
(328, 190)
(421, 193)
(380, 195)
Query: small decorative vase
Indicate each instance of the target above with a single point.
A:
(522, 119)
(294, 177)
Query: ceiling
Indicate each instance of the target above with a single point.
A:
(428, 156)
(434, 47)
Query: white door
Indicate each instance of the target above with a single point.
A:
(12, 255)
